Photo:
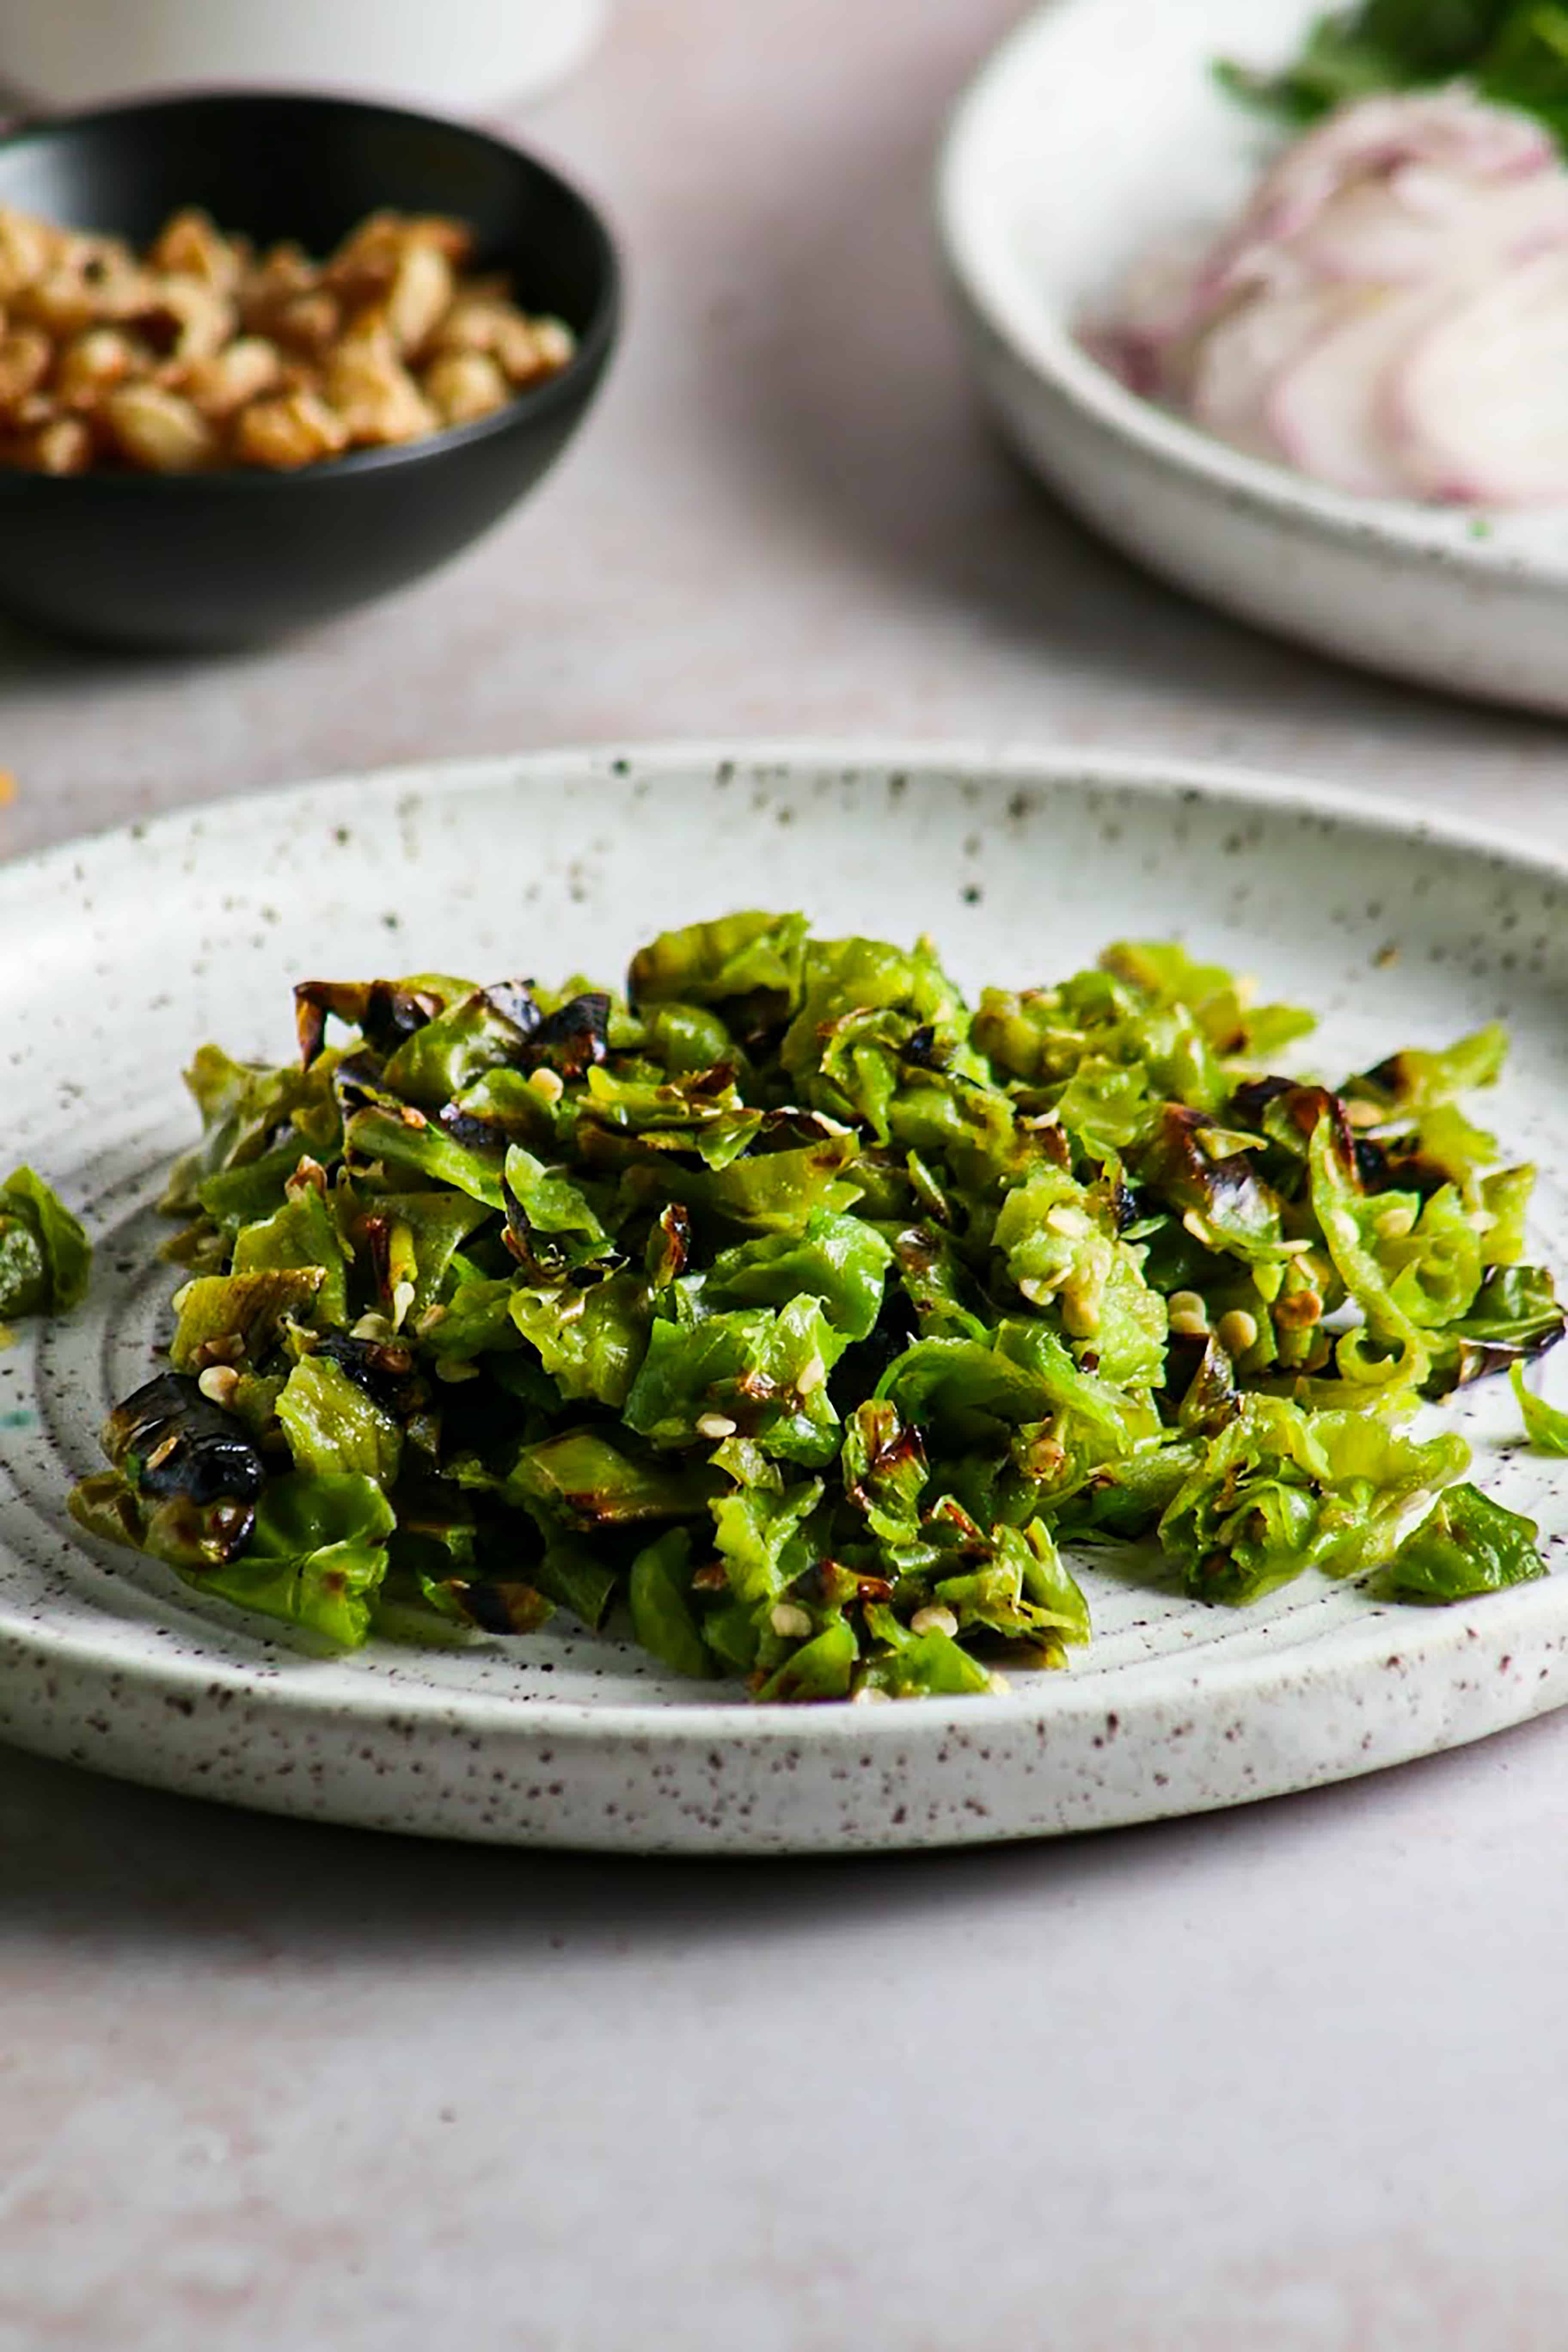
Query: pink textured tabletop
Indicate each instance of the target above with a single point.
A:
(1291, 2077)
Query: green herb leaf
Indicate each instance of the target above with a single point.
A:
(1467, 1546)
(45, 1257)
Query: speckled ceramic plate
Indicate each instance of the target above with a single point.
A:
(117, 957)
(1095, 131)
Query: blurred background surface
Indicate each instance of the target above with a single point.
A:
(458, 54)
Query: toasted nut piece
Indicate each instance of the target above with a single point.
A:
(374, 392)
(159, 430)
(96, 282)
(298, 375)
(517, 349)
(282, 272)
(203, 351)
(471, 324)
(526, 348)
(34, 408)
(366, 263)
(222, 384)
(554, 342)
(461, 386)
(60, 302)
(24, 357)
(530, 348)
(96, 256)
(191, 245)
(487, 321)
(27, 248)
(185, 320)
(294, 429)
(453, 239)
(92, 364)
(62, 446)
(308, 323)
(419, 294)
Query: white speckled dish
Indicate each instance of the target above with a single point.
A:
(119, 956)
(1096, 129)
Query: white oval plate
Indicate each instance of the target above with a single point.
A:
(119, 956)
(1096, 129)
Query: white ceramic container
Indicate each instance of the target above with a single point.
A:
(1097, 129)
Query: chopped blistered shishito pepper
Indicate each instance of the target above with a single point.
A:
(793, 1317)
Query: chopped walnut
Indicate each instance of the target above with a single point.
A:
(222, 384)
(159, 430)
(462, 385)
(26, 355)
(62, 446)
(418, 297)
(204, 352)
(372, 392)
(366, 264)
(190, 245)
(283, 272)
(92, 364)
(186, 319)
(297, 428)
(308, 322)
(27, 248)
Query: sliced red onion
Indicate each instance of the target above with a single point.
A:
(1477, 413)
(1390, 314)
(1446, 128)
(1238, 363)
(1325, 410)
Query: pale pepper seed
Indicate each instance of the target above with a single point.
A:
(1238, 1331)
(934, 1618)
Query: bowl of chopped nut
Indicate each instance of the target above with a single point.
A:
(264, 357)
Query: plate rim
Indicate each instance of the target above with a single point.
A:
(1034, 330)
(1013, 757)
(387, 1694)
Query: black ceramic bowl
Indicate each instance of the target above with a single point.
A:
(227, 559)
